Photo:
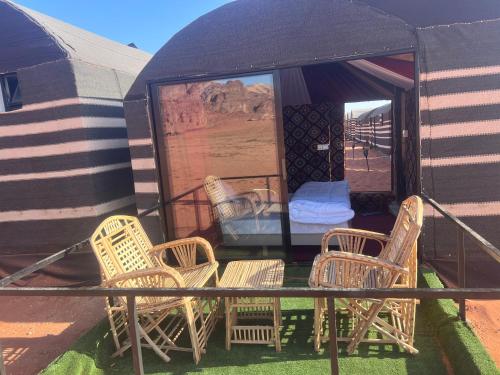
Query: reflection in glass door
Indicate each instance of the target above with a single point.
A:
(220, 164)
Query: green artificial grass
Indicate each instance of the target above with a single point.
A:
(91, 353)
(462, 347)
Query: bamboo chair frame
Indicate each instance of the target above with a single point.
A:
(128, 259)
(396, 266)
(228, 207)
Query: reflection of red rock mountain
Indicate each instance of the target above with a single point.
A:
(203, 104)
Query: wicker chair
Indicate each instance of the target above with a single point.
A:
(228, 207)
(396, 266)
(128, 259)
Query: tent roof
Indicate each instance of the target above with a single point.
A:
(48, 39)
(251, 35)
(386, 108)
(425, 13)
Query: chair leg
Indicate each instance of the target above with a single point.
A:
(153, 345)
(277, 323)
(318, 323)
(364, 324)
(203, 330)
(192, 332)
(117, 320)
(227, 306)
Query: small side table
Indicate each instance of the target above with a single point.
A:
(253, 274)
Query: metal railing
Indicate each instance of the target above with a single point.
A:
(463, 231)
(330, 294)
(196, 201)
(460, 294)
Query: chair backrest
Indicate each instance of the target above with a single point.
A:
(120, 245)
(217, 193)
(405, 232)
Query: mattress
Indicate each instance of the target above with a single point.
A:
(315, 208)
(321, 203)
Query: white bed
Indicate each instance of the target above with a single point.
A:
(315, 208)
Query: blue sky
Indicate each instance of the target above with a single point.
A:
(147, 23)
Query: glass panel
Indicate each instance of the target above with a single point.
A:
(222, 133)
(368, 146)
(11, 92)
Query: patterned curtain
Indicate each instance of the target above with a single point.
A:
(307, 126)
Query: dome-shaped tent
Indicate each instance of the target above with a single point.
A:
(64, 159)
(454, 103)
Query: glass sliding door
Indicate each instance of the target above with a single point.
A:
(220, 162)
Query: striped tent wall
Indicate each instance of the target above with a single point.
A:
(64, 166)
(143, 165)
(64, 158)
(376, 130)
(460, 136)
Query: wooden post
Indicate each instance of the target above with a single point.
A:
(332, 331)
(135, 339)
(461, 272)
(268, 187)
(196, 201)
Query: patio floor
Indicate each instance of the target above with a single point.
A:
(91, 354)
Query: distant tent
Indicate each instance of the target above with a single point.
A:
(375, 128)
(64, 157)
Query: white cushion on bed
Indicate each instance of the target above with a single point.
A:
(321, 203)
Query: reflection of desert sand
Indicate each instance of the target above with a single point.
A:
(232, 148)
(360, 179)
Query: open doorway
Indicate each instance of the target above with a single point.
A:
(368, 146)
(260, 164)
(345, 128)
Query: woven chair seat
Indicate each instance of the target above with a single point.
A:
(198, 276)
(330, 274)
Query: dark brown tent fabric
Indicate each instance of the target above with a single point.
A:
(15, 31)
(248, 35)
(254, 35)
(424, 13)
(460, 117)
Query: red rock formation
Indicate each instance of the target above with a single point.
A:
(192, 106)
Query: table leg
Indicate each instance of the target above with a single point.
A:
(277, 323)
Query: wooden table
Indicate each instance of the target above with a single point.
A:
(253, 274)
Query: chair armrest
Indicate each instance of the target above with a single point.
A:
(257, 192)
(148, 278)
(346, 271)
(164, 277)
(264, 189)
(184, 251)
(352, 240)
(241, 200)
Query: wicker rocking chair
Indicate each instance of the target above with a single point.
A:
(396, 266)
(229, 207)
(128, 259)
